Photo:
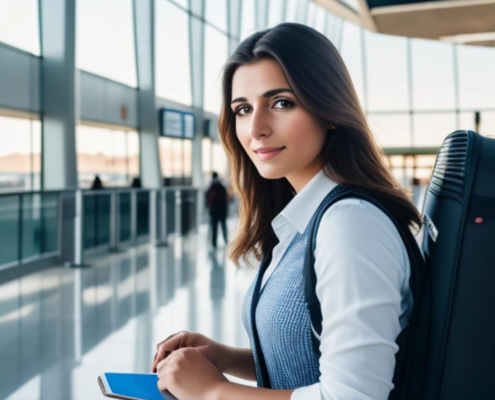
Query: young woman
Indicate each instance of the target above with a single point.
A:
(293, 128)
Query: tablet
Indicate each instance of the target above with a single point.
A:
(132, 387)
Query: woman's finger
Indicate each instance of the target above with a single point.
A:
(176, 342)
(169, 337)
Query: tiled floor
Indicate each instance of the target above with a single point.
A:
(60, 328)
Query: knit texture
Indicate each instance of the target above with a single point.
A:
(282, 317)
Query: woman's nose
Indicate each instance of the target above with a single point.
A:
(259, 125)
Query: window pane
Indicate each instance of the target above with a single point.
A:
(386, 58)
(476, 76)
(173, 65)
(187, 158)
(487, 126)
(174, 155)
(332, 28)
(248, 23)
(291, 11)
(206, 156)
(106, 153)
(105, 39)
(19, 24)
(133, 154)
(182, 3)
(20, 154)
(311, 14)
(352, 55)
(321, 19)
(220, 161)
(36, 151)
(431, 129)
(216, 13)
(165, 147)
(466, 121)
(120, 167)
(178, 157)
(215, 56)
(94, 155)
(275, 16)
(433, 75)
(391, 130)
(487, 122)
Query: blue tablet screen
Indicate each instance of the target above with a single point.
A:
(139, 386)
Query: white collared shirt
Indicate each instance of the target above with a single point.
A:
(362, 271)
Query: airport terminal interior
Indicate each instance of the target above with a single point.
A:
(109, 136)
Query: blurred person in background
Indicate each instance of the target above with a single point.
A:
(97, 184)
(217, 201)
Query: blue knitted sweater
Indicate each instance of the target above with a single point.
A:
(282, 318)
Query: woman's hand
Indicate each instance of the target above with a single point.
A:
(188, 375)
(213, 351)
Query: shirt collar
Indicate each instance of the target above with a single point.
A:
(302, 207)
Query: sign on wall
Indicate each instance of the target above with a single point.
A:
(176, 124)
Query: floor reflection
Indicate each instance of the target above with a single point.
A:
(60, 328)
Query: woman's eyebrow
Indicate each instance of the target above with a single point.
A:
(270, 93)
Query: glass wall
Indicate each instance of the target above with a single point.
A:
(248, 19)
(216, 13)
(105, 39)
(276, 12)
(220, 162)
(214, 159)
(175, 160)
(19, 24)
(172, 58)
(386, 58)
(291, 11)
(476, 78)
(111, 154)
(316, 17)
(413, 172)
(216, 51)
(20, 154)
(352, 55)
(432, 75)
(415, 91)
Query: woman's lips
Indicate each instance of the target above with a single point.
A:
(268, 153)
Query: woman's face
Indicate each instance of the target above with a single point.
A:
(281, 137)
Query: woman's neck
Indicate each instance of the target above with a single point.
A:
(299, 179)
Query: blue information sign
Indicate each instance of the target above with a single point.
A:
(176, 124)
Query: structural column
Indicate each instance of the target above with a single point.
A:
(196, 37)
(59, 93)
(234, 23)
(144, 25)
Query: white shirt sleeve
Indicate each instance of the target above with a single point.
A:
(362, 268)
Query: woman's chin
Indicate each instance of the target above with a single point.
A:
(271, 173)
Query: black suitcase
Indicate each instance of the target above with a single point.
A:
(459, 246)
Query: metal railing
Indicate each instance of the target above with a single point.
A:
(29, 226)
(72, 225)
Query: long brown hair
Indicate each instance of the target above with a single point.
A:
(321, 82)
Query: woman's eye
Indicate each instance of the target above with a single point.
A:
(240, 112)
(284, 103)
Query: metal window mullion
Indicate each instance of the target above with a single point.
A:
(410, 90)
(457, 94)
(365, 71)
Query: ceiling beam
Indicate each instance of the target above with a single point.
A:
(432, 20)
(340, 10)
